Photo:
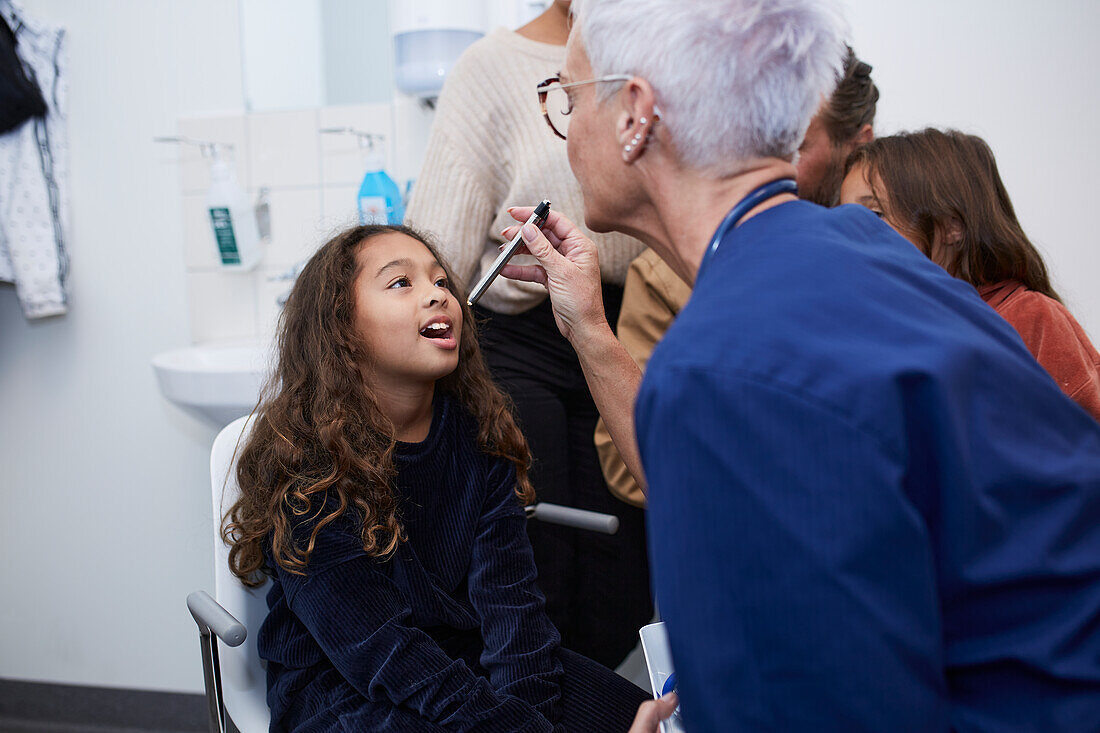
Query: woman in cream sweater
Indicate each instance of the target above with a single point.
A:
(489, 149)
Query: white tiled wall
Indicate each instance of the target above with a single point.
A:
(312, 180)
(284, 149)
(222, 305)
(341, 156)
(194, 169)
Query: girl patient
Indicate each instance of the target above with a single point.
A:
(942, 192)
(381, 490)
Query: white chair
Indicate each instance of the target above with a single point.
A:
(236, 677)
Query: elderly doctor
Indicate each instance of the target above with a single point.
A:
(869, 507)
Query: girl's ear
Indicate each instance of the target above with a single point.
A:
(947, 236)
(953, 232)
(948, 232)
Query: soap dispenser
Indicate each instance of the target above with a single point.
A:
(232, 217)
(379, 197)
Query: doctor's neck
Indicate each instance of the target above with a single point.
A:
(688, 206)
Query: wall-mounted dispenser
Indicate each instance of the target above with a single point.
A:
(379, 200)
(428, 37)
(234, 219)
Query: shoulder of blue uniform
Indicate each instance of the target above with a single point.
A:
(779, 270)
(809, 301)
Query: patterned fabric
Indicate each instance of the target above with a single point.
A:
(34, 172)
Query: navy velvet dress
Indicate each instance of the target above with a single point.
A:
(450, 633)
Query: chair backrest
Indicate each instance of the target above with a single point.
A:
(243, 674)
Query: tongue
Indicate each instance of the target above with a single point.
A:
(435, 333)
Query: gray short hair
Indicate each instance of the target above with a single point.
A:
(735, 79)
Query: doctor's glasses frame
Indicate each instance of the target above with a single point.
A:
(554, 84)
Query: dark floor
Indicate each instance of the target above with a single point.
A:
(34, 707)
(11, 725)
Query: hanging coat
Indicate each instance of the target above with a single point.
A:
(34, 168)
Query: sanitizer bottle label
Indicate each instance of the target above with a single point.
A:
(223, 234)
(373, 210)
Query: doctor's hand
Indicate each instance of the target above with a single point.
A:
(568, 267)
(651, 713)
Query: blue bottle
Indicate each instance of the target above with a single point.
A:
(379, 197)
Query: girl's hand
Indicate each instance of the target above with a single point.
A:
(568, 267)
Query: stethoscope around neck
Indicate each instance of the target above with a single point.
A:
(755, 197)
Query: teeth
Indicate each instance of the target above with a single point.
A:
(438, 326)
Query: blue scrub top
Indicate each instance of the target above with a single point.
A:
(870, 508)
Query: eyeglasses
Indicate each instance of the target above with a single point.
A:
(555, 104)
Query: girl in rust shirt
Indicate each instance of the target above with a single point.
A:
(942, 192)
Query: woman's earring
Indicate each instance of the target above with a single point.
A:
(629, 147)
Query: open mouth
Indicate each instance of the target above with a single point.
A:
(438, 330)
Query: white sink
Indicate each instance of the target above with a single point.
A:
(219, 382)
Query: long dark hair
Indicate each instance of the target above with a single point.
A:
(932, 179)
(320, 444)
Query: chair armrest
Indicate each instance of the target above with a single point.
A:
(570, 517)
(212, 618)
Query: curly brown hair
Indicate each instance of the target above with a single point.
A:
(320, 443)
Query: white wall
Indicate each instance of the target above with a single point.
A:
(282, 48)
(358, 51)
(1021, 74)
(106, 523)
(312, 181)
(106, 520)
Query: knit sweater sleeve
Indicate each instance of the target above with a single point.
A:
(359, 618)
(452, 205)
(520, 641)
(459, 188)
(489, 148)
